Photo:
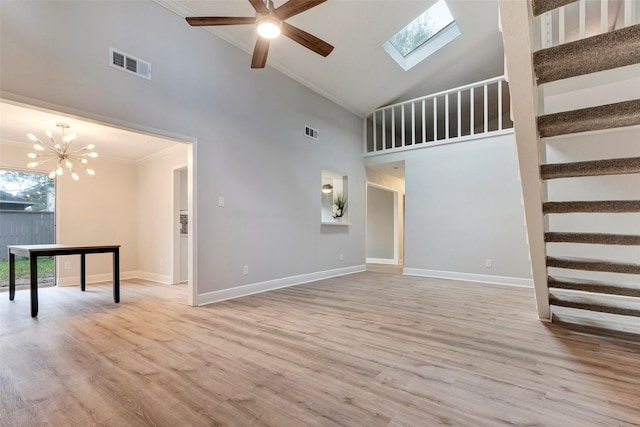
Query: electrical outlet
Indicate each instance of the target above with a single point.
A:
(341, 257)
(161, 263)
(488, 263)
(245, 270)
(221, 202)
(67, 266)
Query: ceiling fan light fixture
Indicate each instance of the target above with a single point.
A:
(268, 27)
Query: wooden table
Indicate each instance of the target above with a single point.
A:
(35, 251)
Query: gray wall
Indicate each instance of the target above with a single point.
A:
(380, 223)
(249, 125)
(463, 205)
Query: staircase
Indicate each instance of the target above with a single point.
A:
(601, 290)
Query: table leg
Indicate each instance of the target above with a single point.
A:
(83, 272)
(33, 272)
(12, 276)
(116, 275)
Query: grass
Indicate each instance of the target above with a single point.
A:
(46, 268)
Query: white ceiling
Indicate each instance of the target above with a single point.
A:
(359, 74)
(16, 121)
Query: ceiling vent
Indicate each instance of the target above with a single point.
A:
(311, 133)
(130, 64)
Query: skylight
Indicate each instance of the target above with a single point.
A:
(423, 36)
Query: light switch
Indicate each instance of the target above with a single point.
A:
(221, 202)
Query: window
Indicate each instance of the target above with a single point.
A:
(27, 205)
(426, 34)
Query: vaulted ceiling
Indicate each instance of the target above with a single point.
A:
(359, 74)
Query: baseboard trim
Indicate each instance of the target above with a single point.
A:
(96, 278)
(466, 277)
(164, 279)
(255, 288)
(388, 261)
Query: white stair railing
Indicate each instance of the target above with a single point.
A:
(462, 113)
(585, 18)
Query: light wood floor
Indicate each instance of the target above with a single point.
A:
(369, 349)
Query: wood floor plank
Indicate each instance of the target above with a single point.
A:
(370, 349)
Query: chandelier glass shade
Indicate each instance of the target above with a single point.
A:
(60, 152)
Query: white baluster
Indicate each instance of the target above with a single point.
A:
(604, 16)
(384, 129)
(424, 121)
(629, 13)
(561, 23)
(403, 130)
(446, 116)
(472, 119)
(459, 114)
(500, 105)
(375, 133)
(435, 119)
(486, 108)
(393, 124)
(413, 123)
(582, 18)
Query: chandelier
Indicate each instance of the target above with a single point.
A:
(61, 152)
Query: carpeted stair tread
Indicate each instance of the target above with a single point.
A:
(591, 168)
(603, 308)
(597, 53)
(542, 6)
(608, 116)
(593, 238)
(593, 265)
(600, 206)
(592, 286)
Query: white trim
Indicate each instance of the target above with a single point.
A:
(269, 285)
(165, 279)
(467, 277)
(382, 261)
(429, 144)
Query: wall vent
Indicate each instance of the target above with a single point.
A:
(311, 132)
(130, 64)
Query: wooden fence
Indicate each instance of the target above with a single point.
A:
(25, 228)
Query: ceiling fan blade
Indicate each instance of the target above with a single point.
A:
(294, 7)
(219, 20)
(259, 59)
(307, 40)
(259, 6)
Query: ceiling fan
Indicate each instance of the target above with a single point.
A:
(270, 23)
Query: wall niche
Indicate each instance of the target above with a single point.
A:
(335, 201)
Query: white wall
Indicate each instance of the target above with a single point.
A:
(99, 209)
(463, 206)
(248, 123)
(156, 213)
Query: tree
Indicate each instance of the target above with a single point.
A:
(36, 187)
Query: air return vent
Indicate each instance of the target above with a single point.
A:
(311, 132)
(130, 64)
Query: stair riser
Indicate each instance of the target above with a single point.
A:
(609, 116)
(617, 206)
(595, 307)
(597, 53)
(541, 6)
(593, 239)
(593, 168)
(609, 267)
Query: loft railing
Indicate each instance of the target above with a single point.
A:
(584, 18)
(466, 112)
